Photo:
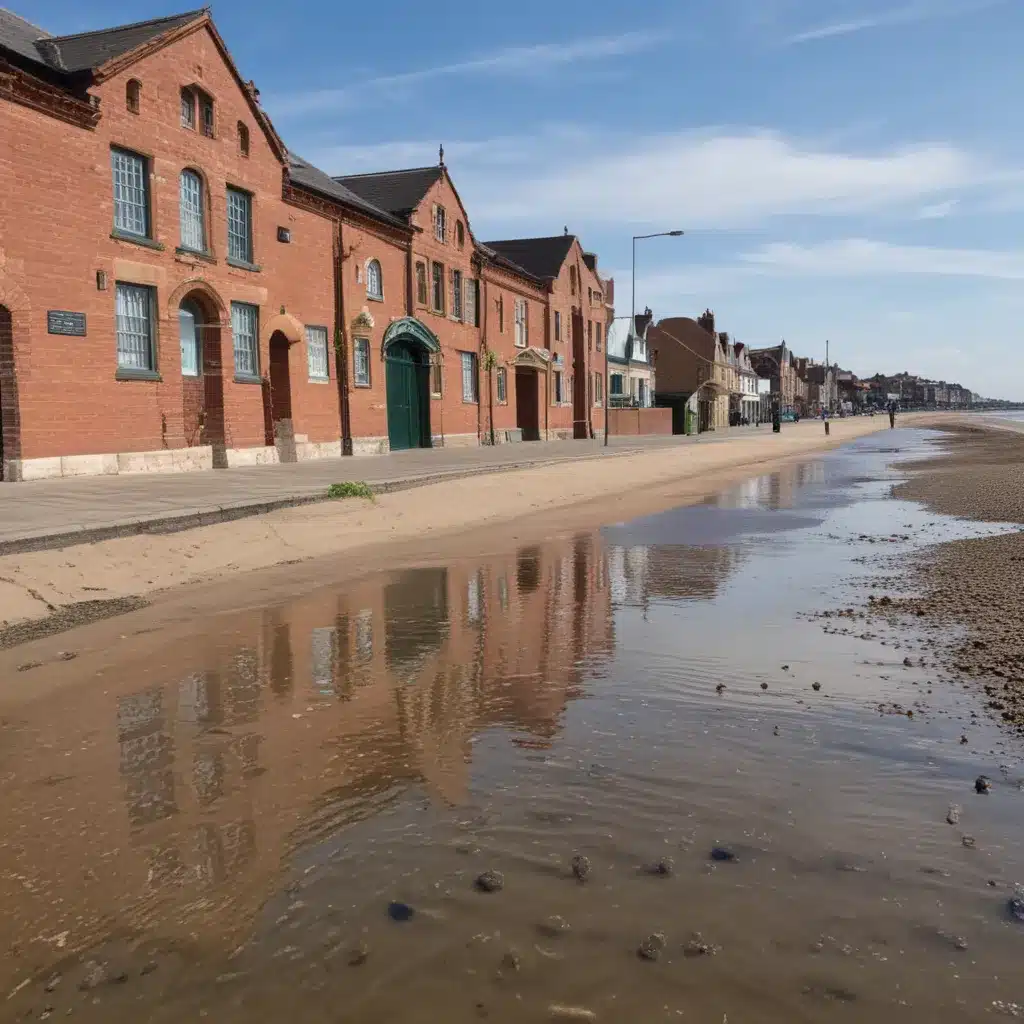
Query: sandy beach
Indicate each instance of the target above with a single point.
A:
(48, 591)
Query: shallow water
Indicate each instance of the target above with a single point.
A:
(216, 826)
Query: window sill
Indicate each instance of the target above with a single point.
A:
(146, 243)
(244, 378)
(364, 387)
(374, 298)
(253, 268)
(319, 380)
(124, 373)
(193, 254)
(435, 396)
(470, 401)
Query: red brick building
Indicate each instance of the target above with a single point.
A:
(178, 291)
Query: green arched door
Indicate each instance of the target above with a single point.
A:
(408, 395)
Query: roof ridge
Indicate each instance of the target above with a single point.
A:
(134, 24)
(537, 238)
(25, 21)
(374, 174)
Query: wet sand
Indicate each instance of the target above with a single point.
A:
(232, 816)
(971, 592)
(351, 537)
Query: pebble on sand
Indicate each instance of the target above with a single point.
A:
(720, 853)
(358, 955)
(664, 867)
(652, 947)
(764, 686)
(982, 784)
(815, 686)
(400, 911)
(581, 867)
(953, 814)
(557, 1012)
(490, 881)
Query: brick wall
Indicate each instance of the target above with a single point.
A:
(55, 237)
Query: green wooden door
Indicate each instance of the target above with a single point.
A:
(408, 408)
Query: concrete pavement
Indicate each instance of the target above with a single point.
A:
(56, 513)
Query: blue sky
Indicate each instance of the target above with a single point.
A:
(843, 169)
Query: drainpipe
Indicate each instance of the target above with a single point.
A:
(341, 345)
(484, 304)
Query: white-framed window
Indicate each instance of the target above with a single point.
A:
(558, 386)
(522, 328)
(421, 283)
(436, 377)
(598, 389)
(440, 223)
(457, 294)
(239, 225)
(361, 362)
(469, 376)
(615, 386)
(131, 192)
(374, 280)
(245, 329)
(502, 385)
(191, 212)
(189, 328)
(135, 314)
(597, 336)
(470, 305)
(206, 115)
(316, 353)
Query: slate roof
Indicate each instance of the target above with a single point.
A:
(541, 257)
(397, 192)
(305, 174)
(85, 50)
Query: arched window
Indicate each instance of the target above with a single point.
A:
(192, 212)
(460, 234)
(133, 95)
(243, 139)
(374, 280)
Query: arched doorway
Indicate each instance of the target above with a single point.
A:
(281, 432)
(202, 385)
(9, 409)
(408, 346)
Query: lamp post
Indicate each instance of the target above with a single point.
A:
(632, 306)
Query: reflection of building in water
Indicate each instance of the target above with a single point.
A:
(274, 730)
(775, 490)
(645, 573)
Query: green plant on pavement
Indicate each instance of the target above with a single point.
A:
(350, 489)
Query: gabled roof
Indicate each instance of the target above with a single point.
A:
(84, 51)
(397, 192)
(541, 257)
(304, 174)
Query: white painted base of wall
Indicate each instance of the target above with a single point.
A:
(307, 450)
(456, 441)
(370, 446)
(264, 456)
(170, 460)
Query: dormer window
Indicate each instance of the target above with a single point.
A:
(188, 110)
(133, 95)
(197, 111)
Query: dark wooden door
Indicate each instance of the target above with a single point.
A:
(527, 404)
(408, 400)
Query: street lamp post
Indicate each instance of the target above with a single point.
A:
(632, 307)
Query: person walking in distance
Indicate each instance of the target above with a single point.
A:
(892, 415)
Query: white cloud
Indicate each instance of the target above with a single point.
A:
(923, 10)
(717, 181)
(521, 61)
(937, 211)
(858, 257)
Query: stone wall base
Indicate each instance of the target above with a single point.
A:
(307, 450)
(169, 460)
(264, 456)
(456, 441)
(370, 446)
